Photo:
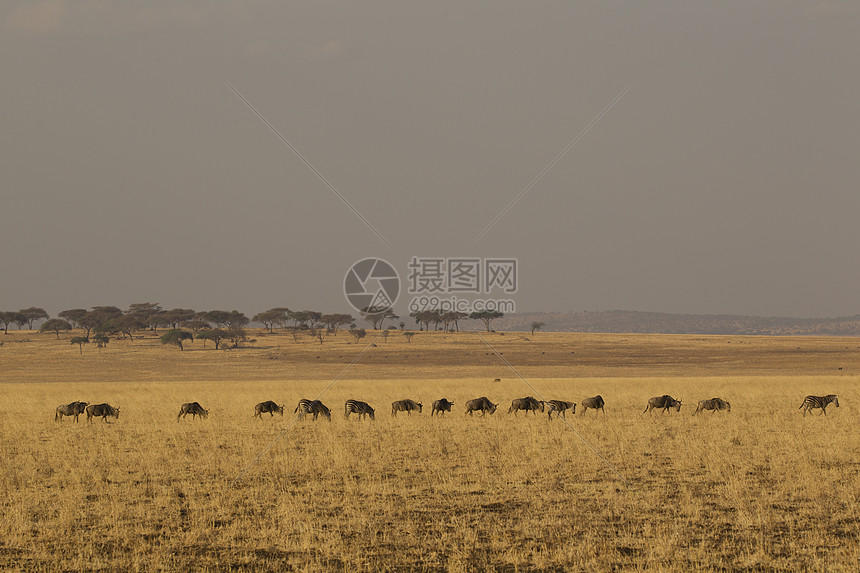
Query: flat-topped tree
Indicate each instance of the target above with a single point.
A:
(55, 325)
(80, 341)
(216, 335)
(486, 316)
(97, 317)
(377, 316)
(536, 325)
(8, 318)
(175, 316)
(335, 321)
(175, 337)
(33, 314)
(269, 318)
(73, 315)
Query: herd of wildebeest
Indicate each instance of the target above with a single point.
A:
(482, 405)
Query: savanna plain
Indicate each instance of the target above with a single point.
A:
(760, 488)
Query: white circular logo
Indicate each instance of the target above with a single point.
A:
(371, 285)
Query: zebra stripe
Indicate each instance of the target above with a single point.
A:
(314, 407)
(358, 407)
(811, 402)
(559, 407)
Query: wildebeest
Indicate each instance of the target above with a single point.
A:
(483, 404)
(442, 405)
(74, 409)
(559, 407)
(314, 407)
(407, 406)
(103, 410)
(268, 407)
(663, 402)
(529, 404)
(713, 404)
(595, 403)
(811, 402)
(194, 409)
(358, 407)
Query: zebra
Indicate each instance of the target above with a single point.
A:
(713, 404)
(664, 403)
(811, 402)
(595, 403)
(74, 409)
(406, 406)
(314, 407)
(357, 407)
(270, 407)
(441, 406)
(193, 408)
(529, 404)
(559, 407)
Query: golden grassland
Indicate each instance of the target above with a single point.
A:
(761, 488)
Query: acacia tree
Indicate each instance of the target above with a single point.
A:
(269, 318)
(175, 337)
(318, 331)
(377, 316)
(175, 316)
(55, 325)
(195, 325)
(8, 318)
(73, 315)
(33, 314)
(97, 317)
(409, 334)
(486, 316)
(216, 335)
(536, 325)
(101, 340)
(335, 321)
(358, 333)
(80, 341)
(127, 324)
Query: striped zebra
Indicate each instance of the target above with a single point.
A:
(357, 407)
(595, 403)
(559, 407)
(314, 407)
(811, 402)
(713, 405)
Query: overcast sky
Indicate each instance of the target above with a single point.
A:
(726, 180)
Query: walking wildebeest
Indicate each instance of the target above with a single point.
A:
(595, 403)
(314, 407)
(529, 404)
(811, 402)
(103, 410)
(442, 405)
(194, 409)
(406, 406)
(713, 404)
(559, 407)
(358, 407)
(483, 404)
(664, 402)
(268, 407)
(74, 409)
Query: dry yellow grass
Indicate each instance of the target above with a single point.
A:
(761, 488)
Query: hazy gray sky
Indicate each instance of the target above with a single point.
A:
(726, 180)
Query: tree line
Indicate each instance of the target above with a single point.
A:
(100, 323)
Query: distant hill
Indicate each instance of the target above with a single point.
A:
(666, 323)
